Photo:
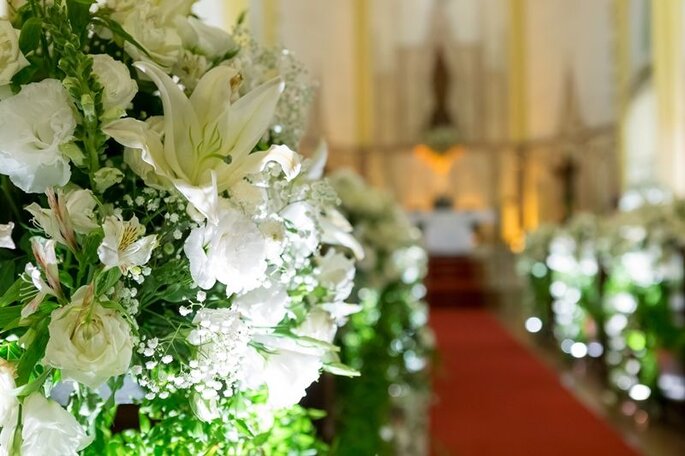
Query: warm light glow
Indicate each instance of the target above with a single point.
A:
(439, 162)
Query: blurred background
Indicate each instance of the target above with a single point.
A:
(518, 110)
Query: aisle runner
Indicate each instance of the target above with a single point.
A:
(496, 399)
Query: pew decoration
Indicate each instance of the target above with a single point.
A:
(610, 291)
(385, 410)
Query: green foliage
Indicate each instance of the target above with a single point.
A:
(169, 427)
(377, 341)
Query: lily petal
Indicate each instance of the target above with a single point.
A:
(211, 98)
(203, 198)
(249, 117)
(256, 162)
(138, 135)
(180, 122)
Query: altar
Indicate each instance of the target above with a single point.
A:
(452, 233)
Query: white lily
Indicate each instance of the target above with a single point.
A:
(207, 139)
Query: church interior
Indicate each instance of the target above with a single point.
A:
(496, 123)
(533, 151)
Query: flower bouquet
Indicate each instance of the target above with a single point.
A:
(161, 242)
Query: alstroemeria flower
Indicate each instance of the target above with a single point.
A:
(44, 252)
(69, 213)
(207, 139)
(6, 241)
(124, 245)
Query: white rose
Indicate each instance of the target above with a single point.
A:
(89, 344)
(11, 58)
(232, 252)
(336, 272)
(49, 430)
(6, 241)
(35, 122)
(119, 88)
(9, 408)
(204, 39)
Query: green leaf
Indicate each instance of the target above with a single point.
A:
(24, 76)
(34, 353)
(12, 294)
(7, 275)
(341, 369)
(243, 427)
(35, 384)
(106, 280)
(9, 315)
(79, 14)
(29, 38)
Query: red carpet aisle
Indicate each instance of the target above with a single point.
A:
(497, 399)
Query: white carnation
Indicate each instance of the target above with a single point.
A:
(89, 342)
(264, 307)
(35, 122)
(233, 252)
(49, 430)
(11, 58)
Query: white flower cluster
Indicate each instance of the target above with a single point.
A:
(174, 237)
(390, 240)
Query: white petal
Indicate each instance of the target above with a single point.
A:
(249, 118)
(6, 241)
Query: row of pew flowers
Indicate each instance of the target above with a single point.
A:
(610, 290)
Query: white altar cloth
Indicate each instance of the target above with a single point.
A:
(448, 232)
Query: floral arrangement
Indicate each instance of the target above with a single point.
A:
(385, 411)
(629, 266)
(161, 243)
